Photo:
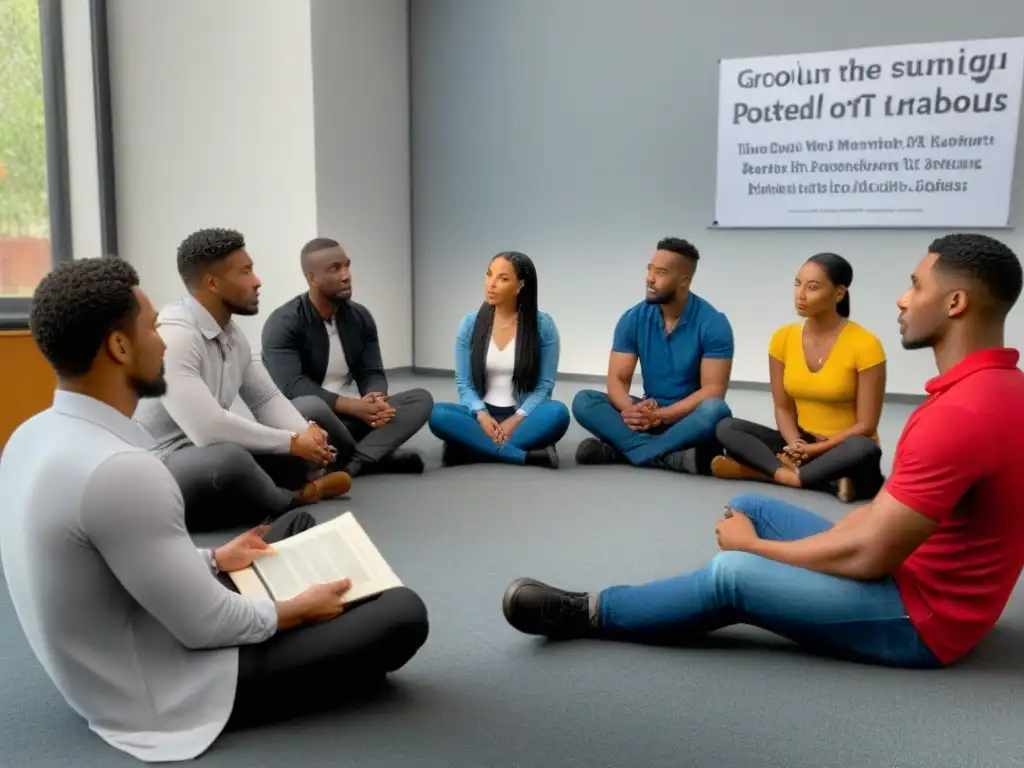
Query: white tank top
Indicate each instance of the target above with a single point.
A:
(499, 367)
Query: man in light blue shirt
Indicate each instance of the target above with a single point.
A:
(131, 622)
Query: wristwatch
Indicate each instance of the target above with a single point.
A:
(214, 568)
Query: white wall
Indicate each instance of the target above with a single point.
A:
(213, 127)
(83, 171)
(361, 89)
(582, 131)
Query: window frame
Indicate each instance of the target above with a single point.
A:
(14, 311)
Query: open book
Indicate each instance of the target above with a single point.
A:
(335, 550)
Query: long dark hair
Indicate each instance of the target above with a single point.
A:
(527, 365)
(840, 274)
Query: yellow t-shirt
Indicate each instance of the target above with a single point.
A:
(826, 401)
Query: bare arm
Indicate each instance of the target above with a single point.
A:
(621, 367)
(870, 393)
(785, 408)
(714, 381)
(871, 546)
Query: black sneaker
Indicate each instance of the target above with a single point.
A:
(684, 461)
(455, 455)
(535, 608)
(400, 462)
(543, 457)
(594, 451)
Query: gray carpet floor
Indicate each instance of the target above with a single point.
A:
(479, 694)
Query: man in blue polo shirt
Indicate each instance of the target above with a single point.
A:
(684, 347)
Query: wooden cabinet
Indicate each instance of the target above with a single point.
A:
(26, 381)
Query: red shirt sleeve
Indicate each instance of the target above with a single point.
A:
(940, 457)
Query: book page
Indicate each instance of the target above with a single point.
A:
(332, 551)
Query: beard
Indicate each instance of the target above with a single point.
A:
(925, 342)
(147, 389)
(246, 310)
(660, 298)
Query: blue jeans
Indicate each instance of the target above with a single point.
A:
(545, 426)
(859, 620)
(595, 413)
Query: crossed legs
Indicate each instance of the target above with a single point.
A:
(542, 429)
(316, 666)
(595, 413)
(361, 448)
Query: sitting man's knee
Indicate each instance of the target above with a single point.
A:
(233, 462)
(714, 409)
(727, 566)
(747, 503)
(419, 402)
(312, 408)
(586, 399)
(409, 623)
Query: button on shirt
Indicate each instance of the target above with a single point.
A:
(111, 593)
(207, 368)
(670, 362)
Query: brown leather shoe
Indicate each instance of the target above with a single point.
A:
(727, 468)
(326, 487)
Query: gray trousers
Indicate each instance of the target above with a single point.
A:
(362, 448)
(225, 486)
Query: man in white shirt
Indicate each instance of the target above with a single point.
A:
(232, 470)
(130, 621)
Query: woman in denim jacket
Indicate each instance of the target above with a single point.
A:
(506, 360)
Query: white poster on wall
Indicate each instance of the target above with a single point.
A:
(901, 136)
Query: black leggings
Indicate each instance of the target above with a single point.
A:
(319, 666)
(857, 458)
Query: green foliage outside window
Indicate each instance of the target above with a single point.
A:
(24, 207)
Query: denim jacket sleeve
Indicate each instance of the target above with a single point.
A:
(549, 351)
(468, 396)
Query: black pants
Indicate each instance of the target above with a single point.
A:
(361, 447)
(857, 458)
(322, 665)
(225, 486)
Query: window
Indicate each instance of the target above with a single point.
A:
(34, 205)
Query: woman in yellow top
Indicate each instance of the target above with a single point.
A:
(828, 381)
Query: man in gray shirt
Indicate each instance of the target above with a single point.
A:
(232, 470)
(131, 622)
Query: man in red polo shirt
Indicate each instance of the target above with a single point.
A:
(917, 577)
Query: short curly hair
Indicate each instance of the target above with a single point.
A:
(983, 259)
(204, 248)
(686, 250)
(77, 306)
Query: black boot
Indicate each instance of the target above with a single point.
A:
(535, 608)
(398, 462)
(543, 457)
(594, 451)
(456, 455)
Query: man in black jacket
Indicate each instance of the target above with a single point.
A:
(324, 344)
